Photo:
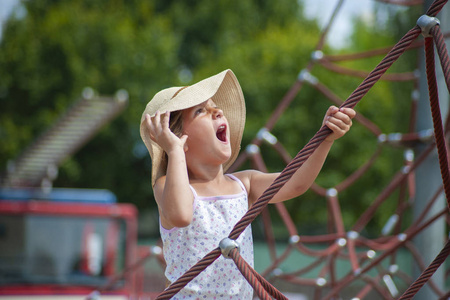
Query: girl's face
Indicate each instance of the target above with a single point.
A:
(208, 133)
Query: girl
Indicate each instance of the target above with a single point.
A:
(193, 135)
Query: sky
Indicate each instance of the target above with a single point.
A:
(5, 9)
(342, 26)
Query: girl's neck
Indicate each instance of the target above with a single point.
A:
(215, 185)
(204, 174)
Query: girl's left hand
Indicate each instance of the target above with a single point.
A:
(339, 120)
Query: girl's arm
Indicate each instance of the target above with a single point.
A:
(172, 192)
(339, 121)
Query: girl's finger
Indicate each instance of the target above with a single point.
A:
(349, 112)
(332, 126)
(165, 119)
(149, 122)
(344, 117)
(148, 119)
(156, 120)
(332, 110)
(337, 122)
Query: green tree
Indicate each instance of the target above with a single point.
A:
(52, 49)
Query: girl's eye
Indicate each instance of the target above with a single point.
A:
(198, 111)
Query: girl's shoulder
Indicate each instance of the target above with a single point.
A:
(256, 182)
(247, 174)
(246, 177)
(243, 175)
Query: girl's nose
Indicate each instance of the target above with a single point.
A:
(216, 113)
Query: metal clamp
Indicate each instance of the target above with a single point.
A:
(226, 245)
(426, 23)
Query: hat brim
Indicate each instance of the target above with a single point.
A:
(222, 88)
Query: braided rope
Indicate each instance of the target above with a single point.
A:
(441, 49)
(318, 138)
(254, 278)
(442, 52)
(249, 276)
(407, 76)
(436, 7)
(196, 269)
(436, 113)
(305, 153)
(410, 234)
(441, 147)
(423, 278)
(294, 89)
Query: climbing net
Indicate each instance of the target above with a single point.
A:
(342, 243)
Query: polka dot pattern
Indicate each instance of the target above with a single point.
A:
(213, 220)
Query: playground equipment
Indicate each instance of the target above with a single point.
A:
(62, 243)
(342, 243)
(364, 255)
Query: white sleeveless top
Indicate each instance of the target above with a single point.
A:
(213, 219)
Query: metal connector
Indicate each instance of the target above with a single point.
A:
(426, 23)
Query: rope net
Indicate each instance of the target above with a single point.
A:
(342, 244)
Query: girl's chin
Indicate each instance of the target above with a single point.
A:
(226, 157)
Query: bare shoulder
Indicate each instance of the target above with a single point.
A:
(256, 182)
(245, 176)
(253, 176)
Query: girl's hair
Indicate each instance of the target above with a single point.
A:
(176, 122)
(176, 126)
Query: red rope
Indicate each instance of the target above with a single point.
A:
(415, 287)
(436, 113)
(396, 245)
(304, 154)
(297, 162)
(398, 178)
(336, 100)
(407, 76)
(318, 138)
(190, 274)
(254, 278)
(436, 7)
(442, 52)
(441, 147)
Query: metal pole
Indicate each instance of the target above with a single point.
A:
(428, 177)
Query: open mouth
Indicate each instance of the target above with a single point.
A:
(222, 133)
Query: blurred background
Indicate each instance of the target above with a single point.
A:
(52, 50)
(58, 55)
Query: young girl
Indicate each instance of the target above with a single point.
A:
(193, 135)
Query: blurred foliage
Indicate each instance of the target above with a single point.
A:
(52, 49)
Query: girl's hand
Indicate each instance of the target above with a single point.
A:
(160, 133)
(339, 120)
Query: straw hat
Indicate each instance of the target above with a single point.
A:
(222, 88)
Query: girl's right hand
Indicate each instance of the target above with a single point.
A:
(160, 133)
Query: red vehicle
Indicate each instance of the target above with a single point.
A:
(68, 244)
